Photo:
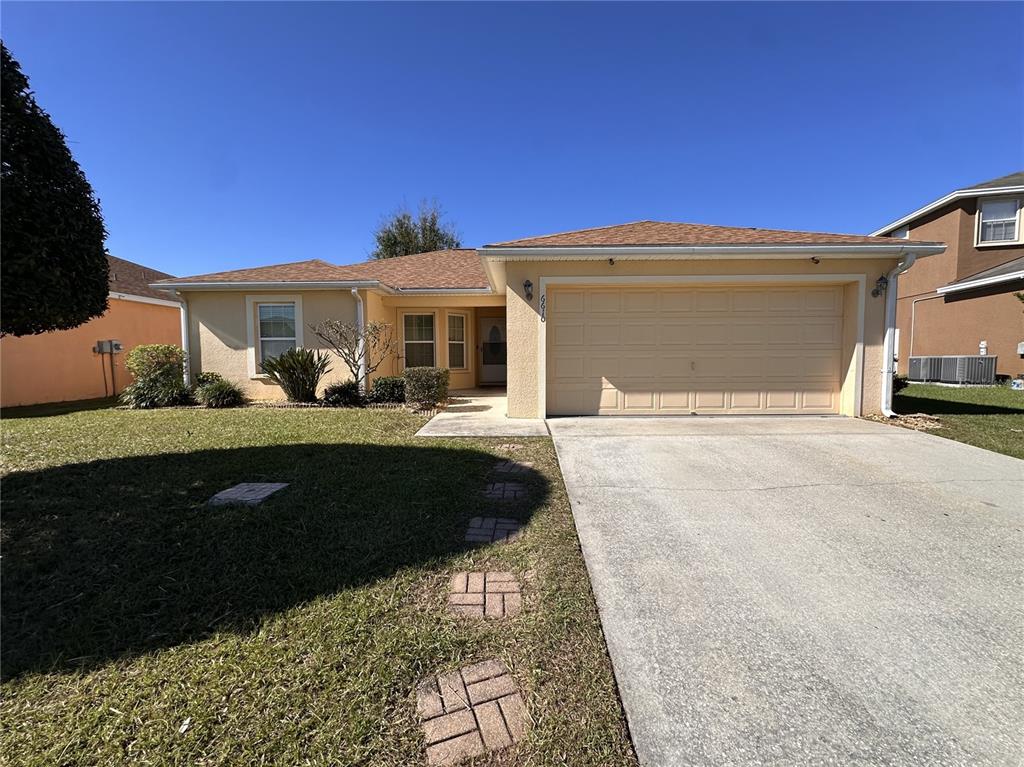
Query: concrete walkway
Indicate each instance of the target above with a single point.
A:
(480, 413)
(804, 590)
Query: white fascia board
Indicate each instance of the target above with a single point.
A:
(144, 299)
(951, 197)
(346, 284)
(443, 291)
(959, 286)
(697, 252)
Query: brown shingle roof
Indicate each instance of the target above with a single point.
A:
(440, 269)
(1012, 179)
(314, 270)
(133, 279)
(667, 233)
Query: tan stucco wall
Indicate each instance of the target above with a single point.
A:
(61, 366)
(219, 341)
(524, 324)
(390, 309)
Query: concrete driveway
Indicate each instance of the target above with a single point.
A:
(804, 590)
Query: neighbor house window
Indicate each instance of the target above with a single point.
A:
(419, 340)
(276, 329)
(998, 221)
(457, 341)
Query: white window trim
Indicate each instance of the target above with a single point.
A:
(901, 233)
(433, 342)
(978, 243)
(252, 333)
(464, 341)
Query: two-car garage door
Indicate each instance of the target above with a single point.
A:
(669, 350)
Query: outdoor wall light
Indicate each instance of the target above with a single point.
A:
(881, 284)
(815, 260)
(528, 290)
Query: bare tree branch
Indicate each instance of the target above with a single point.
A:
(366, 347)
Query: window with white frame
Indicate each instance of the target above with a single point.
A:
(419, 340)
(903, 233)
(999, 221)
(275, 329)
(457, 341)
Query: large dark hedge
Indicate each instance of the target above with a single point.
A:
(53, 265)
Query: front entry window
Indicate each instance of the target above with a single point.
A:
(419, 340)
(494, 347)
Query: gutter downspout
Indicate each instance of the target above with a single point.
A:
(888, 352)
(360, 323)
(185, 338)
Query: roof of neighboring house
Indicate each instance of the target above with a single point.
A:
(134, 279)
(1008, 272)
(1011, 183)
(440, 269)
(668, 233)
(437, 270)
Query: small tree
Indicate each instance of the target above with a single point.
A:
(365, 348)
(53, 265)
(402, 234)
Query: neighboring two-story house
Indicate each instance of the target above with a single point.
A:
(962, 301)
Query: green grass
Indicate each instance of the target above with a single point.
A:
(290, 633)
(991, 417)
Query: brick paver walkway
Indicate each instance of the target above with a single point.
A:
(492, 529)
(248, 493)
(505, 491)
(469, 712)
(485, 595)
(512, 468)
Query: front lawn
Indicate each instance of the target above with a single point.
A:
(141, 625)
(991, 417)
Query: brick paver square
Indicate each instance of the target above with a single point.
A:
(505, 491)
(247, 493)
(513, 468)
(489, 714)
(497, 597)
(493, 529)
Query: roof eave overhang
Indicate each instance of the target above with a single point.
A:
(494, 257)
(960, 194)
(958, 287)
(276, 285)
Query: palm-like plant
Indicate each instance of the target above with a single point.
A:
(298, 372)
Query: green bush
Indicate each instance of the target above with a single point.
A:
(388, 389)
(899, 383)
(345, 394)
(158, 370)
(426, 386)
(220, 393)
(205, 377)
(298, 372)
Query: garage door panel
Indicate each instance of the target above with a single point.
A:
(756, 349)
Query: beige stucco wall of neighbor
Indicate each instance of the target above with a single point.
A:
(391, 309)
(219, 342)
(524, 324)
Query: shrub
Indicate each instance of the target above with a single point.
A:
(426, 386)
(220, 393)
(345, 394)
(899, 383)
(298, 372)
(205, 377)
(388, 389)
(159, 371)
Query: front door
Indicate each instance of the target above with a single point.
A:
(492, 350)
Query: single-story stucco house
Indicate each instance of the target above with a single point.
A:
(641, 318)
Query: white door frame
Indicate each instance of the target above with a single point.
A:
(696, 279)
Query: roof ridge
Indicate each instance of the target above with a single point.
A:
(587, 229)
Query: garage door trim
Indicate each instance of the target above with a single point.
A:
(695, 279)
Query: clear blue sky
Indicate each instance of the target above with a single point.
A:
(228, 135)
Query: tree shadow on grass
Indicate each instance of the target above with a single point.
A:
(905, 404)
(118, 557)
